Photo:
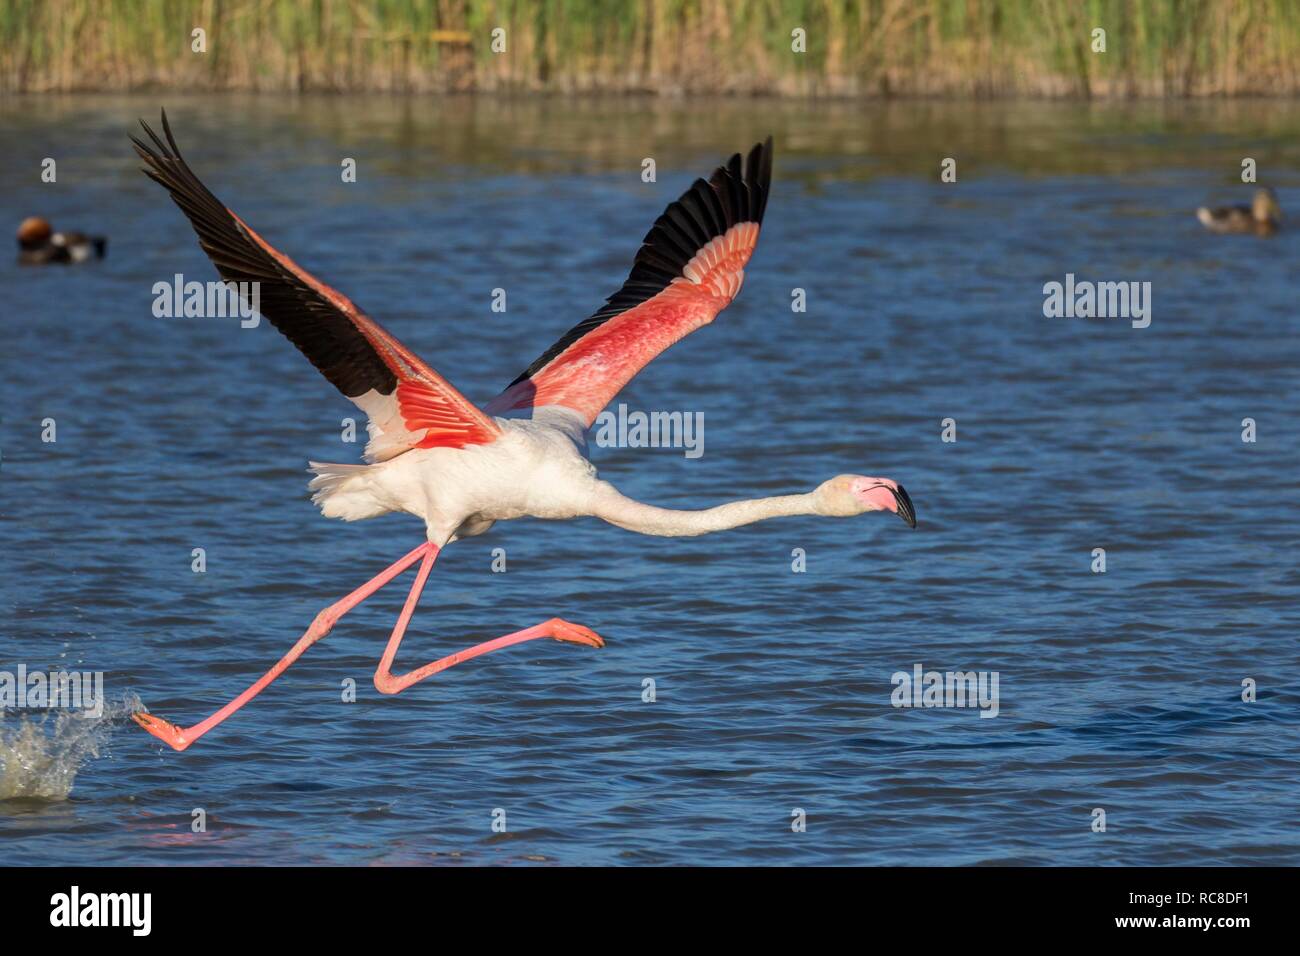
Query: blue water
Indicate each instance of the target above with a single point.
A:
(1119, 690)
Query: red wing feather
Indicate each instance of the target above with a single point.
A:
(410, 405)
(688, 269)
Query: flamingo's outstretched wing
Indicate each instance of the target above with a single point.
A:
(409, 404)
(688, 269)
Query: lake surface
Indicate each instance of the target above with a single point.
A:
(1119, 690)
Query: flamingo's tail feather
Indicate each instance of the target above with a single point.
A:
(343, 491)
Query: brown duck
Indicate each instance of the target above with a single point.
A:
(1262, 216)
(38, 244)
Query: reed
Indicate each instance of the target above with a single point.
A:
(974, 48)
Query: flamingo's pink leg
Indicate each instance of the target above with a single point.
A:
(179, 738)
(387, 683)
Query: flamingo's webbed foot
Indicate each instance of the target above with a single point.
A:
(563, 630)
(165, 731)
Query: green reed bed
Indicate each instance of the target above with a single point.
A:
(868, 47)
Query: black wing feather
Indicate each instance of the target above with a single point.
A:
(704, 212)
(302, 313)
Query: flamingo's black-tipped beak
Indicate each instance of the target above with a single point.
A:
(905, 509)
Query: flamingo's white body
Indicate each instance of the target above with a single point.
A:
(536, 467)
(460, 469)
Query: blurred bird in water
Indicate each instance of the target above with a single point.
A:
(38, 244)
(1261, 217)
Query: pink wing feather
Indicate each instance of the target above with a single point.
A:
(689, 268)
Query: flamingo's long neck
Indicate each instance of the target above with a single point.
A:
(626, 513)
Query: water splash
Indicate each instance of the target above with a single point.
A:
(40, 756)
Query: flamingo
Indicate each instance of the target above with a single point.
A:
(459, 468)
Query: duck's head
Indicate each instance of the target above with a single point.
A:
(1264, 206)
(34, 232)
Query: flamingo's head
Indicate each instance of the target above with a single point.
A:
(33, 232)
(846, 495)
